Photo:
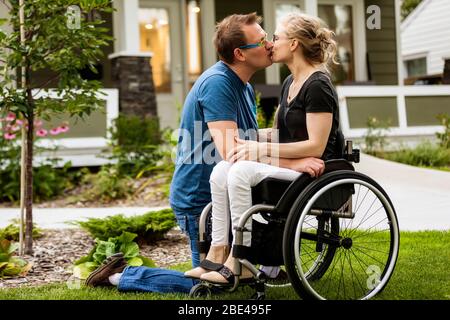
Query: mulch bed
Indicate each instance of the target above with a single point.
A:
(55, 253)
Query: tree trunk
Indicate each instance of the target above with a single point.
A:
(29, 179)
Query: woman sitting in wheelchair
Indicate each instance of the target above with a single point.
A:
(306, 133)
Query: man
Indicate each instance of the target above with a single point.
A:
(220, 106)
(220, 103)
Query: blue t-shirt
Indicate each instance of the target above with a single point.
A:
(217, 95)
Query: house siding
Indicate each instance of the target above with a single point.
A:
(428, 33)
(382, 45)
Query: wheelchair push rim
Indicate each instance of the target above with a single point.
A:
(365, 249)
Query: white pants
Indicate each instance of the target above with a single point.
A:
(231, 194)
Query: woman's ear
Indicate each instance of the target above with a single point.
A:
(238, 54)
(294, 45)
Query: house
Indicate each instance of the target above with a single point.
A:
(425, 38)
(162, 46)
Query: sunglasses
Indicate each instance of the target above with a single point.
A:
(260, 44)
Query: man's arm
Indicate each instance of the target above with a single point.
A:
(223, 134)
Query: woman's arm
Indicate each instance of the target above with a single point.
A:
(319, 128)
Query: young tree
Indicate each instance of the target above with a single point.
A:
(62, 37)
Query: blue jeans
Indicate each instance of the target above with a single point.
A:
(154, 280)
(188, 222)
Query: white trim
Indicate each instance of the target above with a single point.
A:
(400, 93)
(126, 25)
(130, 54)
(208, 19)
(415, 56)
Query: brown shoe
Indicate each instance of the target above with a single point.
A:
(111, 265)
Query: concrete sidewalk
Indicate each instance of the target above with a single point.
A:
(57, 218)
(421, 198)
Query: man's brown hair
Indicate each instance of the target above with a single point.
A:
(229, 34)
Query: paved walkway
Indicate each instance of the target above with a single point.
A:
(421, 198)
(57, 218)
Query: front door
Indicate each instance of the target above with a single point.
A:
(161, 33)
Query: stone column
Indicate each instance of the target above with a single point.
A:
(132, 75)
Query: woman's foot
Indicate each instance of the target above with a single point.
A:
(226, 274)
(213, 261)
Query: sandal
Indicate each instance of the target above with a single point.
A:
(226, 274)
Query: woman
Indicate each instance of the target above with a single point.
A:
(308, 126)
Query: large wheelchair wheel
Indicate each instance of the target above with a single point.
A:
(363, 248)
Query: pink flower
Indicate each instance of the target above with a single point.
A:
(38, 123)
(63, 128)
(19, 122)
(41, 133)
(55, 131)
(10, 117)
(9, 136)
(15, 128)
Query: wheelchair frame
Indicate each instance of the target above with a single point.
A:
(299, 210)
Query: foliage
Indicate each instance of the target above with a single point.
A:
(375, 138)
(104, 249)
(444, 138)
(263, 119)
(149, 227)
(48, 182)
(11, 232)
(11, 265)
(106, 185)
(426, 154)
(408, 6)
(134, 142)
(53, 47)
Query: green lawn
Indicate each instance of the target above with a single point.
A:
(422, 272)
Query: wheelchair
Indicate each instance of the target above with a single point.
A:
(336, 236)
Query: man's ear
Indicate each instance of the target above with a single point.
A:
(238, 54)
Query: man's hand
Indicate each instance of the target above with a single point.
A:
(313, 166)
(247, 150)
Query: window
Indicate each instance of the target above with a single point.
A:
(155, 37)
(193, 43)
(416, 67)
(339, 19)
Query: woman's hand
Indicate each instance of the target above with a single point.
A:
(247, 150)
(313, 166)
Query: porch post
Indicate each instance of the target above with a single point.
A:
(311, 7)
(131, 70)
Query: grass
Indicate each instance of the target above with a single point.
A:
(422, 273)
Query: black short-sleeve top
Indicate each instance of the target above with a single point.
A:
(316, 95)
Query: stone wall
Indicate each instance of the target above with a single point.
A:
(134, 79)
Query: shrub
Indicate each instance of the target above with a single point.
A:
(135, 143)
(426, 154)
(11, 232)
(104, 249)
(106, 185)
(149, 227)
(11, 265)
(375, 138)
(444, 138)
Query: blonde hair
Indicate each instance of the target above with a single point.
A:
(315, 39)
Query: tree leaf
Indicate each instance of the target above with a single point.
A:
(135, 262)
